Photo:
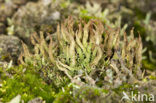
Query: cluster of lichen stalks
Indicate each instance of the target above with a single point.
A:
(88, 53)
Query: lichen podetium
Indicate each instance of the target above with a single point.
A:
(88, 52)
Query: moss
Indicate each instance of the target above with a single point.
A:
(139, 14)
(85, 94)
(65, 96)
(148, 65)
(28, 84)
(152, 77)
(125, 87)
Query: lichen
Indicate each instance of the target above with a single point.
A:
(85, 52)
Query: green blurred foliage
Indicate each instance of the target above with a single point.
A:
(27, 83)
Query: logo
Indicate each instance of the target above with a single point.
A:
(137, 97)
(126, 97)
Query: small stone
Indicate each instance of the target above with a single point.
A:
(10, 47)
(34, 16)
(36, 100)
